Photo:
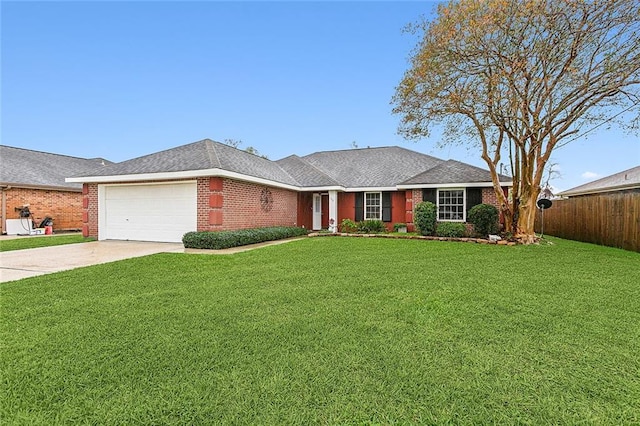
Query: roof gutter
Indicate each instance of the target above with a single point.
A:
(188, 174)
(451, 185)
(11, 185)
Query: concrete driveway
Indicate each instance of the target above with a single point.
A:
(18, 264)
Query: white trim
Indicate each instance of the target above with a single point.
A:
(102, 219)
(452, 185)
(373, 189)
(181, 175)
(321, 188)
(333, 211)
(364, 205)
(464, 204)
(316, 212)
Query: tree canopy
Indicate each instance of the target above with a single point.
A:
(520, 78)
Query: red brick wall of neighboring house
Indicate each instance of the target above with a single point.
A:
(234, 204)
(65, 207)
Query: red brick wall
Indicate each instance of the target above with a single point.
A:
(398, 209)
(65, 207)
(305, 209)
(90, 210)
(232, 204)
(347, 205)
(223, 204)
(324, 222)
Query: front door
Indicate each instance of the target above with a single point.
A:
(317, 212)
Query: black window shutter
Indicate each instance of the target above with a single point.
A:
(386, 207)
(430, 194)
(359, 206)
(474, 197)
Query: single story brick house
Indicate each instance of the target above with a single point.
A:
(38, 179)
(210, 186)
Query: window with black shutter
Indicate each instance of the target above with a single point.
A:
(474, 197)
(359, 213)
(430, 194)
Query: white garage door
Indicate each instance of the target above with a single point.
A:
(159, 212)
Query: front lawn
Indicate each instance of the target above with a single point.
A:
(40, 241)
(330, 331)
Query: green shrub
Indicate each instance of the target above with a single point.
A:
(484, 218)
(371, 226)
(451, 229)
(242, 237)
(425, 217)
(349, 226)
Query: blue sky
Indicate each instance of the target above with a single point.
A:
(124, 79)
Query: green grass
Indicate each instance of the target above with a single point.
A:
(37, 241)
(330, 331)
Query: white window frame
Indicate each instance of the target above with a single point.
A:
(365, 205)
(464, 204)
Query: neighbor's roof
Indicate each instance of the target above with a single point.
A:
(35, 169)
(371, 167)
(627, 179)
(452, 171)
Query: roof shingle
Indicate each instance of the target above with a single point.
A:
(371, 167)
(202, 155)
(19, 166)
(623, 180)
(383, 167)
(452, 171)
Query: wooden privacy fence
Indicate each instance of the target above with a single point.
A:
(610, 219)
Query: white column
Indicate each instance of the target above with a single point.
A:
(333, 211)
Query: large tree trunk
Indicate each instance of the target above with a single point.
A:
(524, 231)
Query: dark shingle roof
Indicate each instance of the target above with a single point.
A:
(305, 173)
(371, 167)
(20, 166)
(625, 179)
(202, 155)
(383, 167)
(452, 171)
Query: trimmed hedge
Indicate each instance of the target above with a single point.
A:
(242, 237)
(451, 229)
(484, 218)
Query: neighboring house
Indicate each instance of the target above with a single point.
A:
(605, 211)
(209, 186)
(38, 179)
(627, 180)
